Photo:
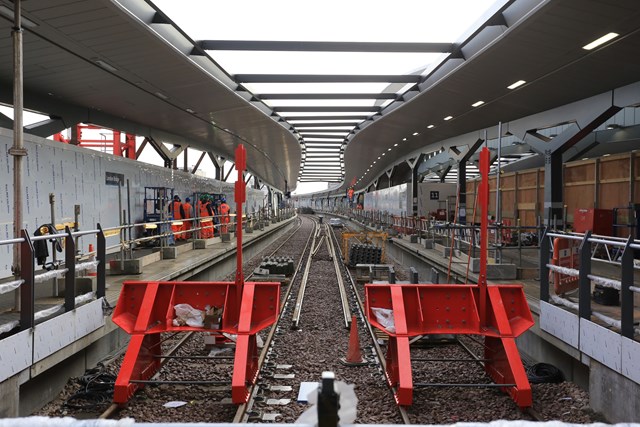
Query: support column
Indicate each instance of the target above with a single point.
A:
(17, 150)
(413, 163)
(463, 159)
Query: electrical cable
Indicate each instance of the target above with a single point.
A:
(97, 389)
(544, 373)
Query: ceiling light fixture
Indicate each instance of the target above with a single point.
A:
(388, 149)
(415, 133)
(448, 118)
(105, 65)
(516, 84)
(600, 41)
(477, 104)
(395, 145)
(430, 126)
(404, 139)
(163, 96)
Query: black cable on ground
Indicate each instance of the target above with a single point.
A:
(97, 389)
(544, 373)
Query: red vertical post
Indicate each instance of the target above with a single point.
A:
(239, 196)
(130, 146)
(484, 212)
(116, 144)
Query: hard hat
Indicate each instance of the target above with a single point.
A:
(223, 200)
(188, 199)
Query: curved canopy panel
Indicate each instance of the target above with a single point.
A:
(529, 57)
(124, 65)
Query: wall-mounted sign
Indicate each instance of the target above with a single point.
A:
(112, 178)
(434, 195)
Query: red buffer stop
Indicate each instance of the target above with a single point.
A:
(499, 313)
(147, 309)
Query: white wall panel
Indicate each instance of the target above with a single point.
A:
(77, 176)
(393, 200)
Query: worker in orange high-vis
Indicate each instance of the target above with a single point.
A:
(206, 222)
(224, 210)
(175, 208)
(187, 210)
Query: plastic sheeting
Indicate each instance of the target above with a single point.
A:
(607, 283)
(6, 327)
(89, 265)
(564, 270)
(80, 299)
(10, 286)
(53, 274)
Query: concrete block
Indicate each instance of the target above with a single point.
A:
(413, 238)
(429, 244)
(501, 271)
(200, 243)
(131, 266)
(83, 285)
(170, 253)
(225, 237)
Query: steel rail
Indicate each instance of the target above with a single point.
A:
(242, 413)
(297, 311)
(344, 300)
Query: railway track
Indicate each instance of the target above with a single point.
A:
(299, 348)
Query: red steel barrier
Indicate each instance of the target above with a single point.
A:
(500, 313)
(147, 309)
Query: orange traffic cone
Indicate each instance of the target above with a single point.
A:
(354, 355)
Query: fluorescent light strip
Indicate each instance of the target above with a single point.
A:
(477, 104)
(516, 84)
(602, 40)
(448, 118)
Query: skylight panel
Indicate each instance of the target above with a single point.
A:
(257, 62)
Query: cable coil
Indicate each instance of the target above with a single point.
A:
(544, 373)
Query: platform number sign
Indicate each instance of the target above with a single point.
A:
(434, 195)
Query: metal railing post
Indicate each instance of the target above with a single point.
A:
(70, 276)
(584, 283)
(27, 292)
(101, 256)
(545, 248)
(626, 295)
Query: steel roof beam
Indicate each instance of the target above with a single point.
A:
(357, 117)
(322, 125)
(328, 138)
(327, 78)
(328, 96)
(321, 46)
(326, 109)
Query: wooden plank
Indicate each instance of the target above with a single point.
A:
(526, 206)
(612, 168)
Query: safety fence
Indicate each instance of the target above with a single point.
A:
(28, 275)
(566, 262)
(168, 232)
(27, 278)
(502, 235)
